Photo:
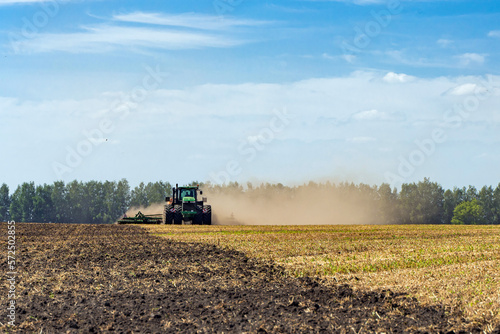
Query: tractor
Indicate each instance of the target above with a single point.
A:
(183, 207)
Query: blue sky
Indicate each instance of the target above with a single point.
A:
(281, 91)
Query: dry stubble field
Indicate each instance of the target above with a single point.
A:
(228, 279)
(456, 266)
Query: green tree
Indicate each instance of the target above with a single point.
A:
(109, 194)
(408, 199)
(15, 209)
(121, 200)
(77, 203)
(486, 198)
(21, 207)
(451, 199)
(60, 202)
(422, 203)
(156, 192)
(138, 196)
(4, 202)
(388, 205)
(43, 209)
(94, 209)
(459, 194)
(471, 193)
(449, 204)
(496, 205)
(468, 213)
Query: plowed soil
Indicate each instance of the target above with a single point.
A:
(114, 278)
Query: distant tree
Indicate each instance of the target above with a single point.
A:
(388, 205)
(77, 202)
(43, 209)
(156, 192)
(422, 203)
(59, 197)
(486, 199)
(449, 204)
(121, 199)
(249, 186)
(496, 205)
(21, 207)
(460, 194)
(138, 196)
(195, 183)
(408, 199)
(94, 208)
(471, 194)
(103, 202)
(4, 202)
(15, 209)
(468, 213)
(236, 188)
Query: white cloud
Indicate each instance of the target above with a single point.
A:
(465, 89)
(392, 77)
(401, 56)
(7, 102)
(349, 58)
(471, 58)
(494, 33)
(100, 39)
(159, 31)
(362, 96)
(407, 58)
(327, 56)
(187, 20)
(361, 140)
(327, 113)
(15, 2)
(444, 43)
(370, 115)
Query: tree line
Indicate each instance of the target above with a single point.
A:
(91, 202)
(96, 202)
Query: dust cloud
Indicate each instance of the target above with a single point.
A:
(291, 206)
(304, 206)
(154, 209)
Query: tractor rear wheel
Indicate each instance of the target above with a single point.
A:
(207, 215)
(168, 215)
(178, 215)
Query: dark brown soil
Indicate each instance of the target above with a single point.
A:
(114, 278)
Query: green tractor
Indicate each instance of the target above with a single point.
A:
(183, 207)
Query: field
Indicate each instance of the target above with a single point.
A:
(199, 279)
(457, 266)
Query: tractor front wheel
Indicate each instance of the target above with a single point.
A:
(178, 215)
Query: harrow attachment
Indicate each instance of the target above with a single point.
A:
(141, 218)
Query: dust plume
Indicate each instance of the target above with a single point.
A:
(298, 206)
(313, 204)
(153, 209)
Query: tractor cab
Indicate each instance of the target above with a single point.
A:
(184, 194)
(187, 194)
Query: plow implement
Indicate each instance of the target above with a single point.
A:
(141, 218)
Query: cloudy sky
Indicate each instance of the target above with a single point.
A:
(229, 90)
